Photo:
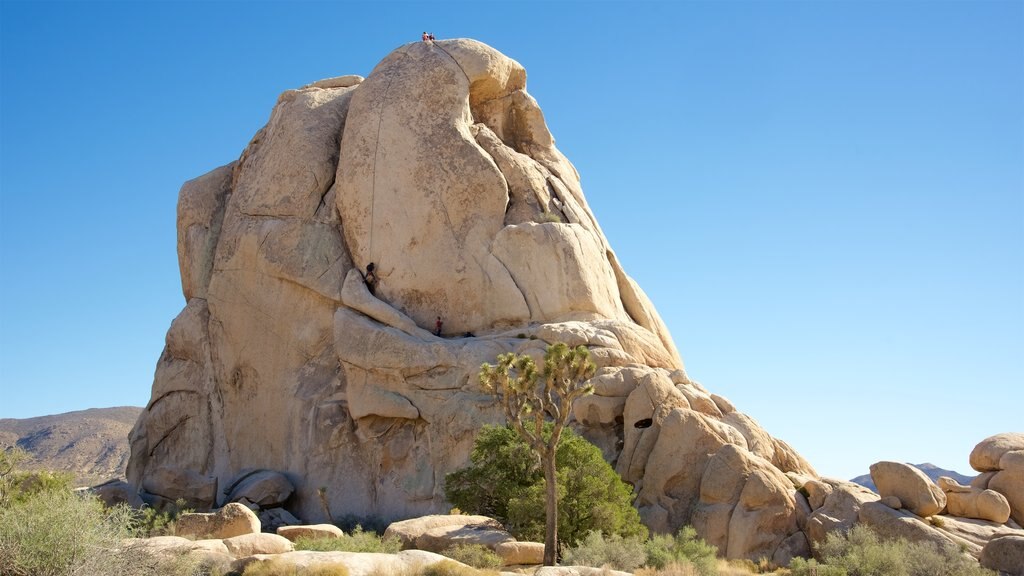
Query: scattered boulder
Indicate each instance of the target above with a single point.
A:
(1005, 554)
(274, 518)
(987, 453)
(262, 543)
(440, 531)
(520, 553)
(170, 484)
(231, 520)
(839, 512)
(1009, 481)
(117, 491)
(264, 488)
(968, 502)
(917, 493)
(293, 533)
(357, 563)
(892, 502)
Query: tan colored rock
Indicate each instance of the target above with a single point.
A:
(251, 544)
(817, 493)
(970, 502)
(1005, 554)
(114, 492)
(173, 484)
(985, 456)
(577, 571)
(839, 512)
(264, 488)
(438, 168)
(356, 563)
(346, 81)
(981, 480)
(977, 532)
(916, 491)
(891, 524)
(409, 531)
(233, 519)
(520, 553)
(273, 518)
(293, 533)
(1009, 481)
(176, 544)
(892, 502)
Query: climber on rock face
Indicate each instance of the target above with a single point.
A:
(371, 277)
(437, 326)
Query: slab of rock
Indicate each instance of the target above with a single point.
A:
(262, 543)
(356, 563)
(839, 512)
(274, 518)
(231, 520)
(520, 553)
(293, 533)
(917, 493)
(264, 488)
(410, 531)
(114, 492)
(172, 484)
(1005, 554)
(893, 524)
(978, 532)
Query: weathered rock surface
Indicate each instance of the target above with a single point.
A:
(293, 533)
(168, 485)
(917, 493)
(520, 553)
(356, 563)
(117, 491)
(439, 532)
(1005, 554)
(1001, 459)
(264, 488)
(262, 543)
(439, 169)
(969, 502)
(231, 520)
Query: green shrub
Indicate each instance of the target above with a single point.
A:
(684, 548)
(613, 551)
(355, 541)
(672, 569)
(476, 555)
(862, 553)
(60, 533)
(152, 522)
(504, 481)
(449, 568)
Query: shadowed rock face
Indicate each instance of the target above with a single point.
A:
(440, 170)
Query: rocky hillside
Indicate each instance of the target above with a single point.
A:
(91, 444)
(930, 470)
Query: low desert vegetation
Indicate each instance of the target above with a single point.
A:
(47, 529)
(862, 553)
(355, 541)
(683, 553)
(450, 568)
(475, 555)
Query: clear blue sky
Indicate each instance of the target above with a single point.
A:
(825, 200)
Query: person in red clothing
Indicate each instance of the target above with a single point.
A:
(437, 326)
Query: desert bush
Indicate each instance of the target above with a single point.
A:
(672, 569)
(476, 555)
(351, 523)
(60, 533)
(862, 553)
(355, 541)
(683, 548)
(504, 481)
(151, 522)
(450, 568)
(597, 550)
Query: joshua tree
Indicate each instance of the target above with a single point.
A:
(530, 397)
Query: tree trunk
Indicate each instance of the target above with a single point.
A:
(551, 508)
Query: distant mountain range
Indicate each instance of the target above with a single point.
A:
(91, 444)
(930, 470)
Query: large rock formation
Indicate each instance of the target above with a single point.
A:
(439, 169)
